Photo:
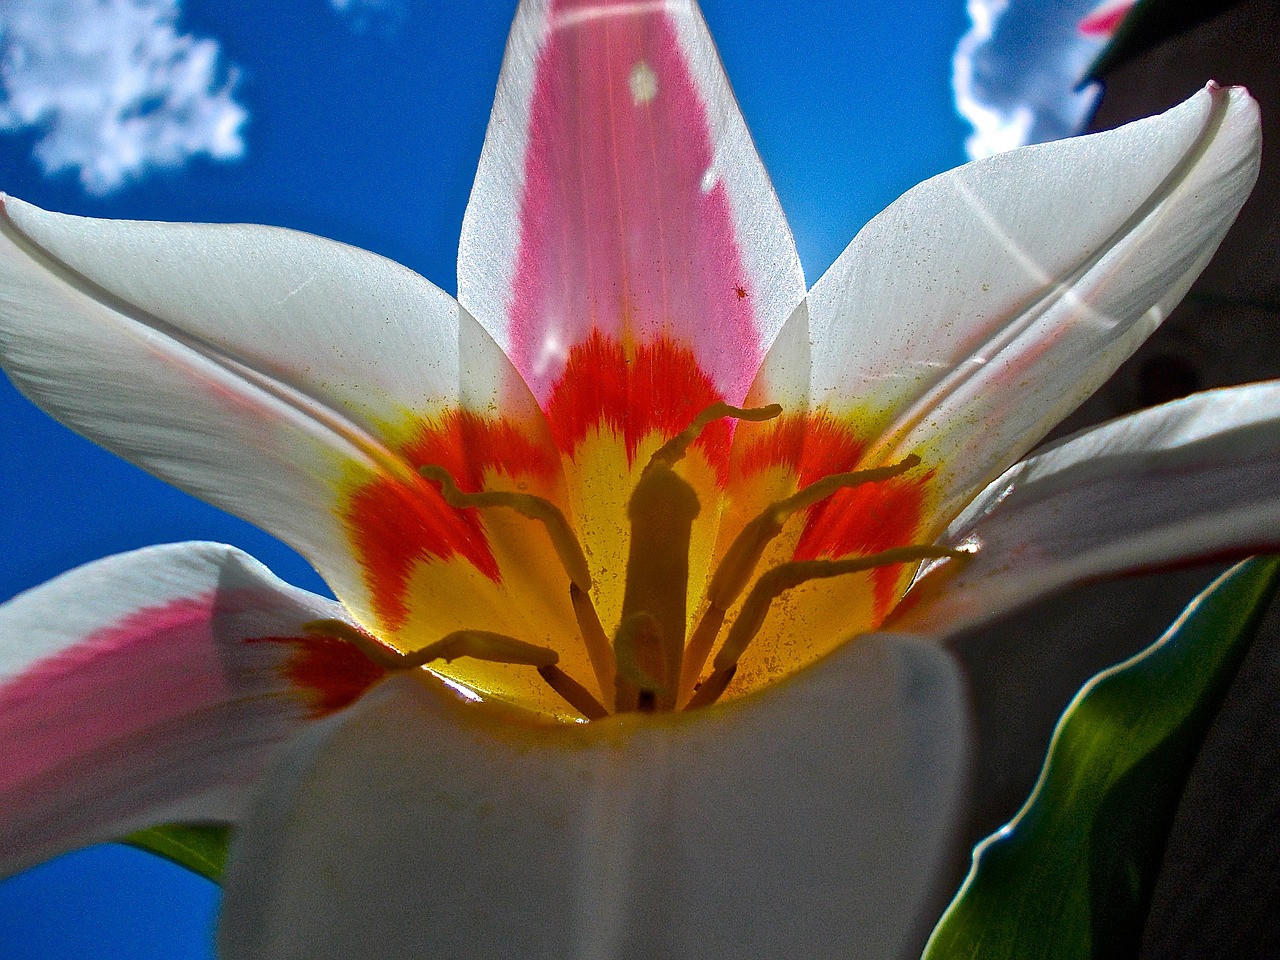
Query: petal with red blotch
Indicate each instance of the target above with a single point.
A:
(814, 816)
(153, 687)
(985, 304)
(620, 193)
(277, 375)
(1195, 479)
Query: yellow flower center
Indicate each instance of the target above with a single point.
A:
(650, 664)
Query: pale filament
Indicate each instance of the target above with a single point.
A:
(479, 644)
(740, 560)
(567, 548)
(777, 581)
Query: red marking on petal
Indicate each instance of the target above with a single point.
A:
(656, 387)
(394, 524)
(330, 672)
(812, 446)
(867, 519)
(626, 226)
(1105, 19)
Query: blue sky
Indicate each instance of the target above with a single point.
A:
(362, 121)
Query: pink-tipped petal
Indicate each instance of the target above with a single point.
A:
(813, 820)
(154, 687)
(1190, 480)
(620, 193)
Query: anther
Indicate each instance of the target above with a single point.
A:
(544, 511)
(740, 560)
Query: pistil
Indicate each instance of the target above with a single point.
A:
(662, 509)
(640, 647)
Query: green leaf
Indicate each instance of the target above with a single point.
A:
(201, 848)
(1071, 876)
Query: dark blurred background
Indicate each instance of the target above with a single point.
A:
(1219, 890)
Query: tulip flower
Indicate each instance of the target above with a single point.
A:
(636, 654)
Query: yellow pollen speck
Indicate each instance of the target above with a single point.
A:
(644, 83)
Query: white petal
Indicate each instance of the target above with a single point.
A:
(1193, 479)
(810, 821)
(986, 303)
(360, 333)
(147, 688)
(268, 372)
(620, 192)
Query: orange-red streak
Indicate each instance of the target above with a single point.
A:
(331, 673)
(652, 387)
(393, 525)
(864, 520)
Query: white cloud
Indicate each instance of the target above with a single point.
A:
(363, 14)
(114, 88)
(1017, 70)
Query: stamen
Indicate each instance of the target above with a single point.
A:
(709, 690)
(673, 450)
(574, 693)
(696, 651)
(740, 560)
(478, 644)
(772, 585)
(599, 650)
(544, 511)
(742, 557)
(484, 645)
(787, 576)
